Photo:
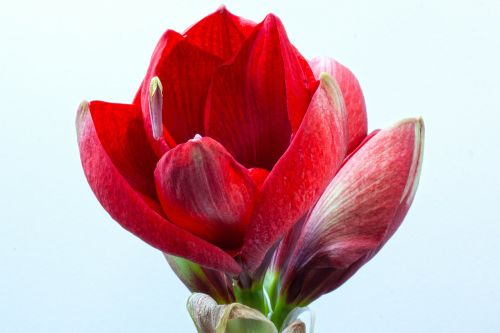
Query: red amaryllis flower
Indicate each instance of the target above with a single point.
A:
(233, 142)
(230, 140)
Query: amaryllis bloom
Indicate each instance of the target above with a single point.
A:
(249, 166)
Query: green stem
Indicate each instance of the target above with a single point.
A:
(252, 297)
(280, 313)
(271, 286)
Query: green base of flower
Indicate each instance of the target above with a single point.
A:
(280, 313)
(253, 297)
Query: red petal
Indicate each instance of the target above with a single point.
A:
(185, 72)
(163, 48)
(358, 212)
(353, 97)
(301, 174)
(133, 211)
(247, 108)
(121, 132)
(204, 190)
(220, 33)
(299, 75)
(258, 175)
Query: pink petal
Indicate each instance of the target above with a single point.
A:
(204, 190)
(185, 72)
(254, 99)
(220, 33)
(301, 174)
(365, 140)
(353, 96)
(135, 212)
(121, 133)
(358, 212)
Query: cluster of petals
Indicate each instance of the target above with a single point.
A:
(235, 145)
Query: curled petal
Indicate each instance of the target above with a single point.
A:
(358, 212)
(231, 318)
(120, 130)
(134, 211)
(301, 174)
(254, 97)
(353, 97)
(204, 190)
(205, 312)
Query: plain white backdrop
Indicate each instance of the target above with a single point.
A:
(65, 266)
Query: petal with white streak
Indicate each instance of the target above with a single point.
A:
(204, 190)
(358, 212)
(136, 212)
(353, 96)
(301, 174)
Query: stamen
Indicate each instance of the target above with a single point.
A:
(156, 107)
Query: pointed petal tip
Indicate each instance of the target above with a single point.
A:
(222, 9)
(197, 137)
(418, 126)
(325, 77)
(327, 80)
(272, 19)
(82, 107)
(331, 85)
(420, 131)
(154, 85)
(352, 94)
(416, 166)
(83, 104)
(81, 112)
(156, 106)
(418, 121)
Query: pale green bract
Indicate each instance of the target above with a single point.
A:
(210, 317)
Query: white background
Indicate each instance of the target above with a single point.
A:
(65, 266)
